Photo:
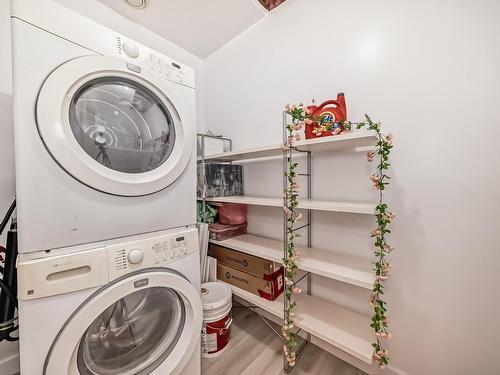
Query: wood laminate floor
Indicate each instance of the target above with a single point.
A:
(254, 349)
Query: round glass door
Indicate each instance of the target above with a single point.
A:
(122, 125)
(133, 335)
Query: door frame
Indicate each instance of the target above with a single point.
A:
(53, 122)
(62, 356)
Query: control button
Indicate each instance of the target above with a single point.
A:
(131, 50)
(135, 256)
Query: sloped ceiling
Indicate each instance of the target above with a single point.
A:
(199, 26)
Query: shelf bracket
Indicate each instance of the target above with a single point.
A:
(301, 227)
(254, 308)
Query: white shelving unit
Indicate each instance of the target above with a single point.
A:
(361, 138)
(338, 326)
(346, 268)
(306, 204)
(331, 323)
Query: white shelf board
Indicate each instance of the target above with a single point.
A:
(307, 204)
(360, 138)
(340, 327)
(346, 268)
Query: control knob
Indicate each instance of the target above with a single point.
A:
(135, 256)
(131, 50)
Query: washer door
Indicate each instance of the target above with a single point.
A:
(131, 327)
(111, 127)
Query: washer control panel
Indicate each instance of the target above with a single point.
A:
(156, 251)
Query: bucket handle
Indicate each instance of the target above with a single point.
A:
(226, 326)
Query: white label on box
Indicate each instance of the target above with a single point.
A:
(280, 282)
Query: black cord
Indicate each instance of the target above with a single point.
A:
(5, 288)
(7, 216)
(5, 334)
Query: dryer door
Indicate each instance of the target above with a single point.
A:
(114, 127)
(141, 322)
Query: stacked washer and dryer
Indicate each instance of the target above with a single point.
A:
(108, 270)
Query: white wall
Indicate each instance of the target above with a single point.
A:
(429, 71)
(100, 13)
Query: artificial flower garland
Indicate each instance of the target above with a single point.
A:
(301, 116)
(291, 195)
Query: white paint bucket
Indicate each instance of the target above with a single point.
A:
(217, 302)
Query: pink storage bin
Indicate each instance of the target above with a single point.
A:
(233, 213)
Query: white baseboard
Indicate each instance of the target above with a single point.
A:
(9, 365)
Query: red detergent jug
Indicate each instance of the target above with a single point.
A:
(332, 112)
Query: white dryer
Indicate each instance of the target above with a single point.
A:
(118, 308)
(104, 131)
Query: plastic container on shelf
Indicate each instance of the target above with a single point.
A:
(233, 213)
(221, 232)
(217, 303)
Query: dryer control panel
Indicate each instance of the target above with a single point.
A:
(142, 57)
(156, 251)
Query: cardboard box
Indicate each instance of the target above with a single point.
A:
(269, 290)
(251, 264)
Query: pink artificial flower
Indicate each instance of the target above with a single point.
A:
(376, 232)
(297, 290)
(308, 121)
(369, 155)
(287, 210)
(336, 131)
(297, 136)
(374, 177)
(298, 125)
(388, 248)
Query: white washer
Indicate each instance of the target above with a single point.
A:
(104, 131)
(122, 307)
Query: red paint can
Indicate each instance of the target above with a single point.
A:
(217, 303)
